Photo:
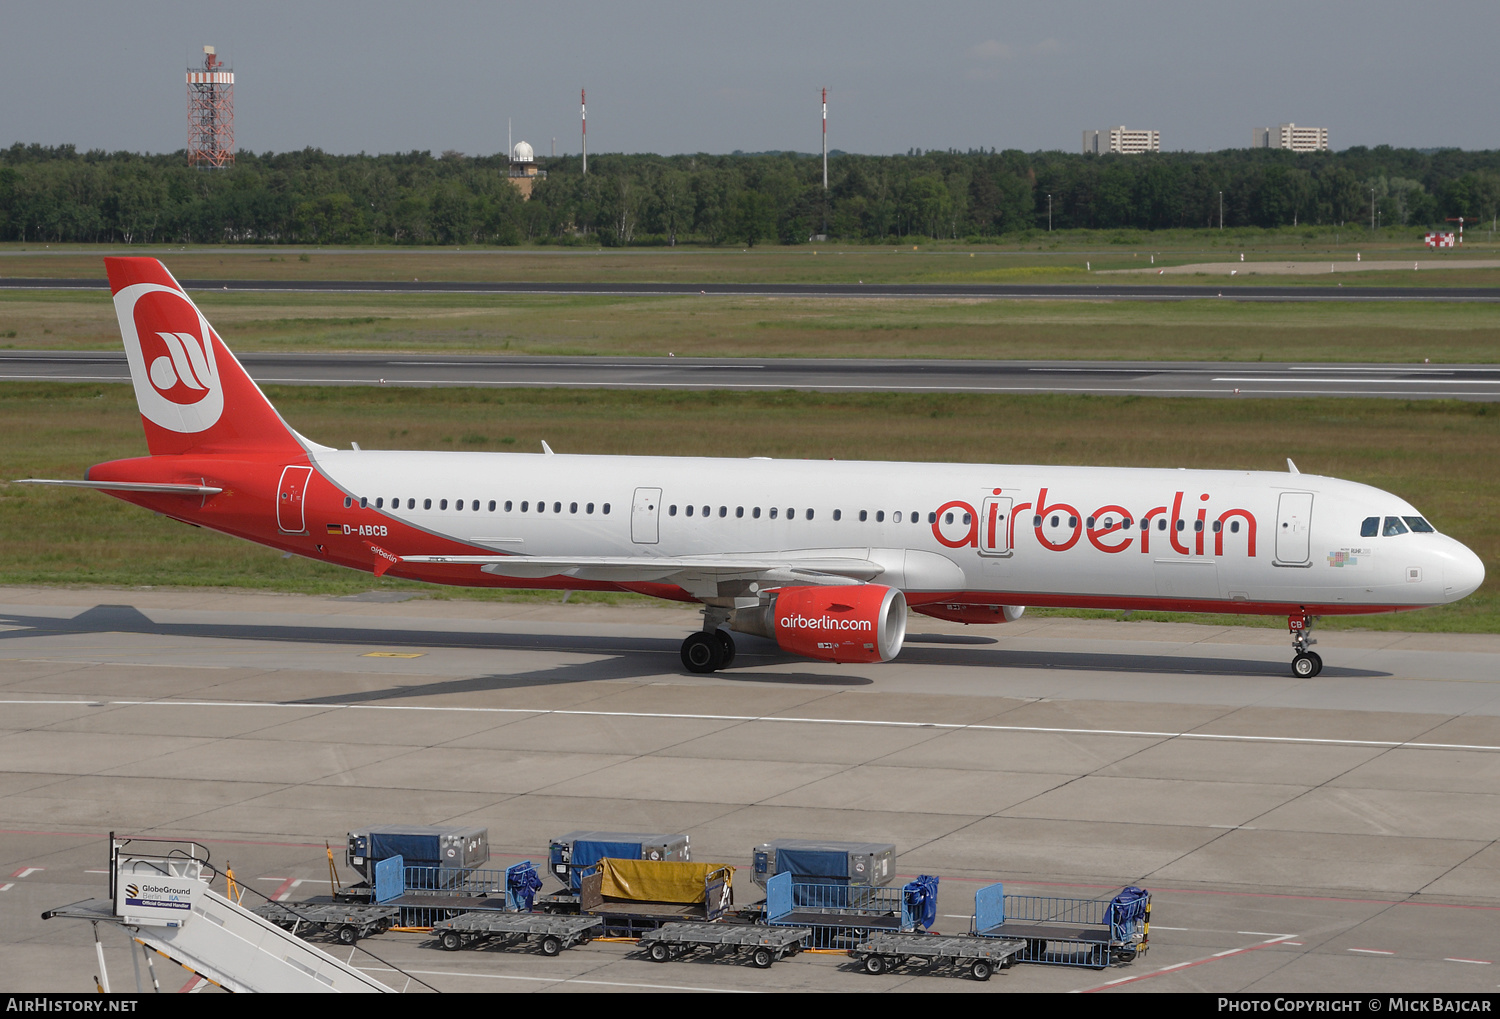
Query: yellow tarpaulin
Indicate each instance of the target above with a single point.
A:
(658, 880)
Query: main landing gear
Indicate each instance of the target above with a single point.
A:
(710, 649)
(1305, 664)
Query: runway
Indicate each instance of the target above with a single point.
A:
(1337, 833)
(1125, 378)
(1111, 291)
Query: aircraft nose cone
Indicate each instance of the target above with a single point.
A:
(1462, 574)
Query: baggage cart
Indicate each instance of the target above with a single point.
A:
(979, 957)
(636, 896)
(841, 916)
(572, 854)
(814, 861)
(763, 945)
(1095, 933)
(342, 921)
(551, 934)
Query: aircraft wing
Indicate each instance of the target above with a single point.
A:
(128, 486)
(694, 573)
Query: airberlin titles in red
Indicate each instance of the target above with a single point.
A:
(1110, 528)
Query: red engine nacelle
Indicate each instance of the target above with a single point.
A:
(865, 623)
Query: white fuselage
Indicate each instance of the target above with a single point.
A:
(1237, 540)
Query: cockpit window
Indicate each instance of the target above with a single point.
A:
(1370, 528)
(1419, 525)
(1393, 527)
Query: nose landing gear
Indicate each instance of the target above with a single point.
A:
(1305, 664)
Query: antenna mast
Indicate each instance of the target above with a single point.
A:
(825, 139)
(583, 113)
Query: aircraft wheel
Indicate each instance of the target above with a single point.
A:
(1306, 665)
(763, 958)
(702, 652)
(726, 643)
(981, 969)
(1317, 662)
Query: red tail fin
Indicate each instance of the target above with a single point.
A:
(192, 393)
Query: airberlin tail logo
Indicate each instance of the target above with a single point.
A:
(170, 348)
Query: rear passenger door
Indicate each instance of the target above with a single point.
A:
(645, 513)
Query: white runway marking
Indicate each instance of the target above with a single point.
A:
(950, 726)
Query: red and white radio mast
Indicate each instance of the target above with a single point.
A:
(583, 113)
(210, 113)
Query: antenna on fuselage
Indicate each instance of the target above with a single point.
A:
(1289, 465)
(547, 449)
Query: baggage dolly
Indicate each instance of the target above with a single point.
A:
(882, 952)
(552, 933)
(764, 944)
(345, 921)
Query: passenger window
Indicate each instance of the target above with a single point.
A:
(1161, 523)
(791, 514)
(1197, 525)
(1072, 520)
(1234, 527)
(1419, 525)
(755, 513)
(838, 514)
(671, 511)
(606, 509)
(508, 505)
(348, 501)
(475, 507)
(773, 512)
(1091, 522)
(427, 504)
(948, 518)
(1036, 521)
(1146, 524)
(932, 518)
(541, 506)
(557, 507)
(363, 502)
(880, 516)
(689, 511)
(739, 511)
(1394, 526)
(1370, 528)
(1125, 522)
(492, 505)
(1218, 526)
(589, 508)
(969, 520)
(1181, 524)
(809, 514)
(864, 515)
(443, 504)
(896, 517)
(723, 511)
(1055, 519)
(459, 505)
(379, 503)
(572, 507)
(706, 510)
(525, 506)
(411, 504)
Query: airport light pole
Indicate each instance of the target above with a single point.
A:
(1372, 209)
(1049, 214)
(1221, 210)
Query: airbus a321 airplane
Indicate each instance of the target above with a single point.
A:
(826, 558)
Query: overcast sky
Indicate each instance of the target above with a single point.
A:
(674, 77)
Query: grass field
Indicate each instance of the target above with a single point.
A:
(1439, 455)
(1037, 257)
(1210, 330)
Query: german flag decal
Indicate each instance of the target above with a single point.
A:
(335, 528)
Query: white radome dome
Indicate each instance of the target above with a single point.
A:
(521, 153)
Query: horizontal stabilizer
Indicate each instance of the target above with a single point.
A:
(128, 486)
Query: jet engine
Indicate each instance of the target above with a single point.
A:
(862, 623)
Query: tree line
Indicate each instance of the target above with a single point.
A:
(57, 194)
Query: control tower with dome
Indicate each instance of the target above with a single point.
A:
(524, 172)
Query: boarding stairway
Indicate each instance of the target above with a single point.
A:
(163, 901)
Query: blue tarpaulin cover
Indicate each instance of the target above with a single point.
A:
(812, 865)
(416, 850)
(523, 884)
(920, 899)
(587, 852)
(1129, 907)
